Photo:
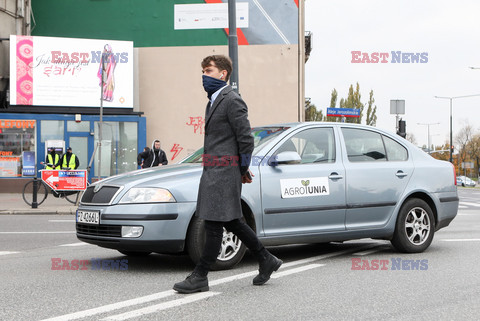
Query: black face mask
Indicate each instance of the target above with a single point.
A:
(211, 85)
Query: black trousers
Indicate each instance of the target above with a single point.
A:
(213, 242)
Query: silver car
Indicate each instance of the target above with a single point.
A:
(314, 182)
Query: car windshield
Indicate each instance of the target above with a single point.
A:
(261, 136)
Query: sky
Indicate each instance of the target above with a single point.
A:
(447, 31)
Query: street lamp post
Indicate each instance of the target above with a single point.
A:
(428, 133)
(452, 98)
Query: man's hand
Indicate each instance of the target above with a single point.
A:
(247, 178)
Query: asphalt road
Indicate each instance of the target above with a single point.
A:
(329, 282)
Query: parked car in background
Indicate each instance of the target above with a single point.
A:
(465, 181)
(314, 182)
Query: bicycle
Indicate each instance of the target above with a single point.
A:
(43, 191)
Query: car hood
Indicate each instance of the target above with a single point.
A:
(180, 179)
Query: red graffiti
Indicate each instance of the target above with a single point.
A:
(198, 124)
(176, 149)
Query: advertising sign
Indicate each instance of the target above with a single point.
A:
(208, 15)
(46, 71)
(73, 180)
(28, 161)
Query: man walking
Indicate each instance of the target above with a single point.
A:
(152, 157)
(227, 135)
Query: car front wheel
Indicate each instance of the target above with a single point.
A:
(415, 227)
(231, 251)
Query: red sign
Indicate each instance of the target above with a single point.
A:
(74, 180)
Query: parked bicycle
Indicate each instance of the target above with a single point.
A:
(43, 190)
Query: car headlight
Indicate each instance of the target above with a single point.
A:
(148, 195)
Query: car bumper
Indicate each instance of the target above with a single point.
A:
(164, 226)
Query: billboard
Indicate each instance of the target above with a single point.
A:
(47, 71)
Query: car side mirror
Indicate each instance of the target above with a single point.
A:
(285, 158)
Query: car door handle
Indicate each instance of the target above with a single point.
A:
(335, 176)
(401, 174)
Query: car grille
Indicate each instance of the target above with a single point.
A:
(100, 230)
(103, 196)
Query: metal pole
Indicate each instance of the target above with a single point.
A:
(35, 191)
(233, 43)
(99, 176)
(451, 141)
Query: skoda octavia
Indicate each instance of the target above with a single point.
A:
(314, 182)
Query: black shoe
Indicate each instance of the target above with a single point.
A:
(268, 264)
(193, 283)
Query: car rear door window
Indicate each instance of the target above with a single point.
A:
(395, 151)
(363, 145)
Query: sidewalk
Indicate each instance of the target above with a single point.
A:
(13, 203)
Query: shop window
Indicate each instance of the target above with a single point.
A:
(52, 130)
(119, 147)
(17, 138)
(73, 126)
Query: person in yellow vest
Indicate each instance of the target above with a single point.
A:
(53, 159)
(69, 160)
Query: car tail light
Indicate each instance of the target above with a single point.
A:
(454, 175)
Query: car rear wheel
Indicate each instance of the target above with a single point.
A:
(133, 253)
(231, 251)
(415, 227)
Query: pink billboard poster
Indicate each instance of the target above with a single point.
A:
(24, 70)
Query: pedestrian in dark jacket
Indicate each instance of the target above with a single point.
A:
(69, 160)
(227, 136)
(152, 157)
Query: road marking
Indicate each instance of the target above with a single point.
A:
(470, 204)
(296, 270)
(461, 240)
(367, 252)
(58, 232)
(75, 244)
(161, 295)
(61, 221)
(162, 306)
(113, 306)
(7, 252)
(461, 206)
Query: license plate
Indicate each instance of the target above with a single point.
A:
(88, 217)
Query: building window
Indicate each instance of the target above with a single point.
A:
(73, 126)
(119, 148)
(16, 137)
(52, 130)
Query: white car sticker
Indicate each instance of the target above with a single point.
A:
(304, 187)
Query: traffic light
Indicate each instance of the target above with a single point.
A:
(402, 131)
(452, 148)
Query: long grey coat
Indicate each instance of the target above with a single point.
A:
(227, 135)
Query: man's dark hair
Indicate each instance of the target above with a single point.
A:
(221, 62)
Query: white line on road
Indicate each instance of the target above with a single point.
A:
(113, 306)
(75, 244)
(160, 295)
(162, 306)
(57, 232)
(470, 204)
(7, 252)
(367, 252)
(61, 221)
(461, 240)
(296, 270)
